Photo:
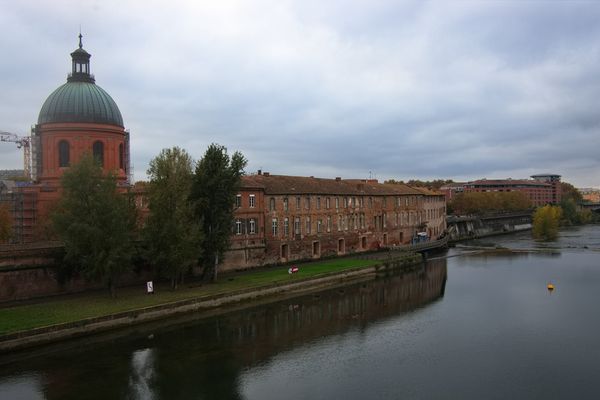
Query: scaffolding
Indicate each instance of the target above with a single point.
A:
(22, 206)
(127, 155)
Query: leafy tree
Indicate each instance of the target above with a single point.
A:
(95, 222)
(569, 211)
(482, 202)
(569, 192)
(172, 232)
(434, 184)
(216, 183)
(5, 224)
(546, 221)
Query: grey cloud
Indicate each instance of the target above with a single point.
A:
(402, 89)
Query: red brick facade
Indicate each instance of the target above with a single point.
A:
(541, 190)
(286, 218)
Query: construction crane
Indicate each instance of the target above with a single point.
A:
(22, 142)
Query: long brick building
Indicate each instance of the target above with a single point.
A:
(285, 218)
(541, 190)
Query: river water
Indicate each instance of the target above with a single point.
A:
(469, 326)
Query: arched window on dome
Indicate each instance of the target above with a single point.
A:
(63, 153)
(98, 150)
(121, 157)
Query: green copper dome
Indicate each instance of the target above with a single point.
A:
(80, 102)
(80, 99)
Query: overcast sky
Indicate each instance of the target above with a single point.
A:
(395, 89)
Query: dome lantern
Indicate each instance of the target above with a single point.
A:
(81, 65)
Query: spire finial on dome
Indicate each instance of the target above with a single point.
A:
(80, 36)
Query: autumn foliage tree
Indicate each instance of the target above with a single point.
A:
(546, 221)
(482, 202)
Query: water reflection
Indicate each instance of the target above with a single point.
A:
(142, 374)
(205, 359)
(23, 387)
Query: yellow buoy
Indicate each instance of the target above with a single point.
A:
(550, 287)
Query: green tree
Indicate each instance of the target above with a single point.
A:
(546, 221)
(216, 183)
(95, 222)
(569, 191)
(569, 211)
(5, 224)
(172, 232)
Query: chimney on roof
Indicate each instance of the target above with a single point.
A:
(338, 178)
(266, 174)
(260, 172)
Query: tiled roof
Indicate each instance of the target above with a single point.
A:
(428, 192)
(284, 184)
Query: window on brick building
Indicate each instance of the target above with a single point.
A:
(98, 152)
(298, 203)
(285, 204)
(319, 225)
(384, 222)
(370, 202)
(252, 226)
(286, 227)
(308, 225)
(252, 201)
(238, 201)
(318, 203)
(328, 203)
(238, 226)
(307, 203)
(339, 223)
(63, 153)
(361, 201)
(274, 226)
(272, 204)
(329, 223)
(337, 202)
(297, 225)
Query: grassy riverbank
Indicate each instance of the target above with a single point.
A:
(72, 308)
